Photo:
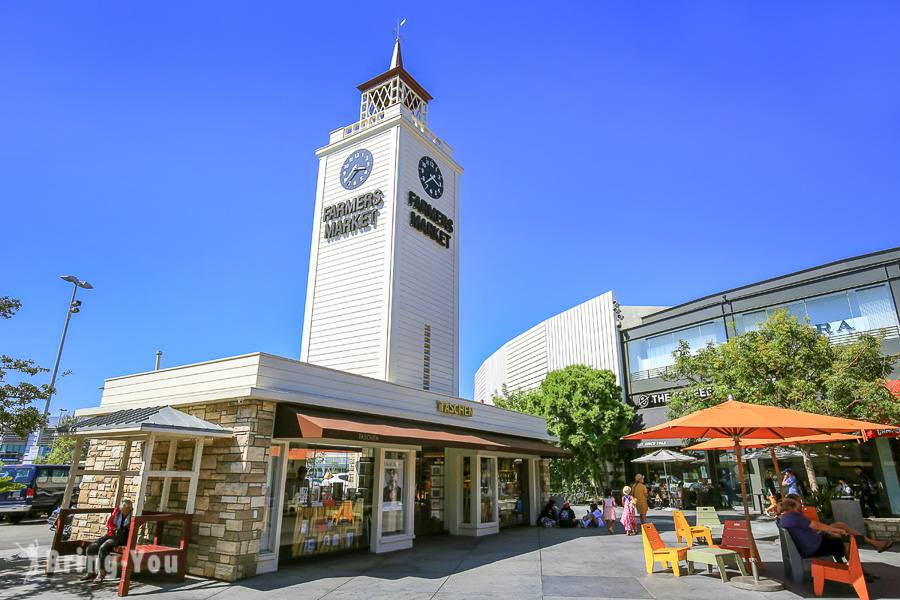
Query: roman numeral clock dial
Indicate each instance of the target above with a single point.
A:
(356, 169)
(431, 178)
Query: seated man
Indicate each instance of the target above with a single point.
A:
(117, 529)
(593, 518)
(818, 539)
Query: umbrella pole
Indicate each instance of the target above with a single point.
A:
(754, 553)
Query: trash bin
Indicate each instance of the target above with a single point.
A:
(849, 512)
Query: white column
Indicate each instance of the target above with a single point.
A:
(73, 471)
(145, 473)
(167, 481)
(123, 467)
(195, 476)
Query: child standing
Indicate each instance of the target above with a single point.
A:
(629, 512)
(609, 510)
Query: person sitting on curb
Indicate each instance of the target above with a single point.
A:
(567, 516)
(548, 516)
(117, 528)
(593, 517)
(817, 539)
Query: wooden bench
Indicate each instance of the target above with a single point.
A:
(655, 550)
(132, 556)
(708, 517)
(851, 573)
(684, 530)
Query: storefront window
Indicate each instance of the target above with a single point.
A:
(842, 313)
(487, 490)
(467, 489)
(393, 509)
(651, 355)
(327, 500)
(267, 543)
(511, 473)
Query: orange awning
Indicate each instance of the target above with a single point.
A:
(304, 422)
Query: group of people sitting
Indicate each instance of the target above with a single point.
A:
(595, 517)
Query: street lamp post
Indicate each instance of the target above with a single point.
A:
(73, 308)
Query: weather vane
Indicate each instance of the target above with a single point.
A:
(397, 31)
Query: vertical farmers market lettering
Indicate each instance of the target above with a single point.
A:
(432, 222)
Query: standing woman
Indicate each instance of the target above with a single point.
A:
(641, 497)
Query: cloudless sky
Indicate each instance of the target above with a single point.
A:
(164, 151)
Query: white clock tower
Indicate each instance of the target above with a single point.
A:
(383, 288)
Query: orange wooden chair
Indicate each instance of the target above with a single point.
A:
(655, 550)
(851, 573)
(810, 513)
(735, 537)
(684, 530)
(344, 514)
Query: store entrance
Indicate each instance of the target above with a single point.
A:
(430, 499)
(512, 502)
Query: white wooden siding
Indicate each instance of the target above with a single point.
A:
(284, 380)
(585, 334)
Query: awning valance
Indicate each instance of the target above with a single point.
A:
(304, 422)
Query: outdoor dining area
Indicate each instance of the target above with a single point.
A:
(731, 545)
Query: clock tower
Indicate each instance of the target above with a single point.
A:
(383, 289)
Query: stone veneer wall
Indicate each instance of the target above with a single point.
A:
(544, 482)
(229, 510)
(881, 529)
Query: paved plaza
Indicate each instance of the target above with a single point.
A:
(529, 563)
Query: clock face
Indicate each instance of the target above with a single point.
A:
(431, 178)
(356, 169)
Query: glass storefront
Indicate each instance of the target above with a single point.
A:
(852, 311)
(511, 503)
(467, 489)
(331, 513)
(654, 353)
(393, 509)
(487, 490)
(267, 542)
(430, 492)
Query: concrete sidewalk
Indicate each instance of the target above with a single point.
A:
(529, 563)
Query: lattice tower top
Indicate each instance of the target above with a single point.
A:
(394, 86)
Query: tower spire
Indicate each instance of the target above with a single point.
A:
(397, 58)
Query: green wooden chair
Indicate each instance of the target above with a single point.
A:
(708, 517)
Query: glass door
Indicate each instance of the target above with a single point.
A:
(430, 492)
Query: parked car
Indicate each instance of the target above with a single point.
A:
(43, 491)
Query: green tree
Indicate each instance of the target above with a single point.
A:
(17, 413)
(786, 363)
(584, 409)
(63, 450)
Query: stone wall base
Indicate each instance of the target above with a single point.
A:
(881, 529)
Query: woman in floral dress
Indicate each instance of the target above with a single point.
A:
(629, 514)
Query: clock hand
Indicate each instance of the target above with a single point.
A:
(352, 173)
(431, 178)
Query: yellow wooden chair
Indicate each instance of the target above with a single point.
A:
(684, 530)
(655, 550)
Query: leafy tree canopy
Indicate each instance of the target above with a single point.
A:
(786, 363)
(17, 413)
(584, 409)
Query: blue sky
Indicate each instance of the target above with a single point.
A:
(164, 151)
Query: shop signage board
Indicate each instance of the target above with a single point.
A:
(661, 398)
(450, 408)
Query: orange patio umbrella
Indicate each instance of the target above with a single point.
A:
(738, 420)
(726, 444)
